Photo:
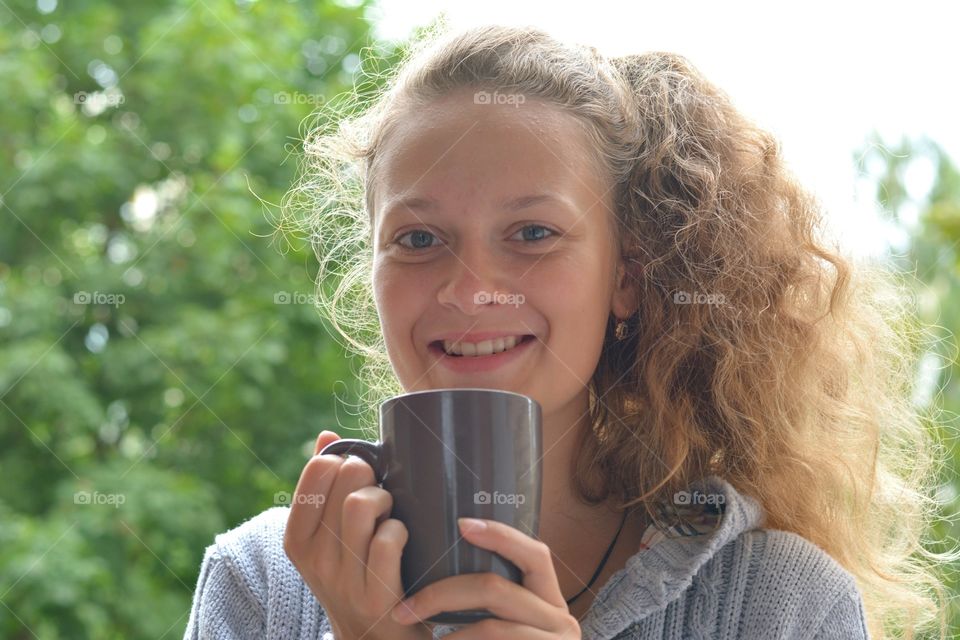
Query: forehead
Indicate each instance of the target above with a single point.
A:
(456, 146)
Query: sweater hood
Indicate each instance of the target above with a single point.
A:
(653, 578)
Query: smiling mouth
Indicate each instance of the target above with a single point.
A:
(437, 346)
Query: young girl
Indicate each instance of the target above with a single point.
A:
(728, 448)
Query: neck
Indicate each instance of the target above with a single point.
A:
(578, 534)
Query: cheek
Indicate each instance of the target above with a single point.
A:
(573, 288)
(397, 301)
(576, 305)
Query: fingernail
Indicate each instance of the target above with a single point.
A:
(402, 613)
(472, 524)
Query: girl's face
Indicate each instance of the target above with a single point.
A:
(490, 220)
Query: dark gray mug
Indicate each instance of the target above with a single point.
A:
(451, 453)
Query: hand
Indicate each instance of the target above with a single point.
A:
(341, 540)
(536, 610)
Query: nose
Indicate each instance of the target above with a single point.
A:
(472, 279)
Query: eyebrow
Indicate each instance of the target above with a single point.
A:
(418, 203)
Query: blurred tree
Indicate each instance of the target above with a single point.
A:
(917, 187)
(162, 372)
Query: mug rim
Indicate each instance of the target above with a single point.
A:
(446, 389)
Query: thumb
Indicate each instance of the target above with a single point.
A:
(325, 438)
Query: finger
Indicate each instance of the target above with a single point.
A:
(494, 628)
(362, 510)
(501, 597)
(383, 565)
(531, 556)
(325, 438)
(306, 514)
(353, 474)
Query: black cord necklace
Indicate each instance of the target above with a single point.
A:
(604, 561)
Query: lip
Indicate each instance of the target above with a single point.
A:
(479, 364)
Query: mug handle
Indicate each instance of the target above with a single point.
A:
(369, 452)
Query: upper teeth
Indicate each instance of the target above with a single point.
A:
(485, 348)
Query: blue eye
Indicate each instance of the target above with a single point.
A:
(416, 233)
(420, 238)
(536, 226)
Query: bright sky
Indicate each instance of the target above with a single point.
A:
(819, 75)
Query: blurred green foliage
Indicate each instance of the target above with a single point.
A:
(917, 187)
(162, 372)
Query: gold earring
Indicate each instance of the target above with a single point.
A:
(621, 330)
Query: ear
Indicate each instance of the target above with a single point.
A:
(625, 292)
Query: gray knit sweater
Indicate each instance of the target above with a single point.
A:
(739, 581)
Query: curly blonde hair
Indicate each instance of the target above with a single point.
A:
(796, 388)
